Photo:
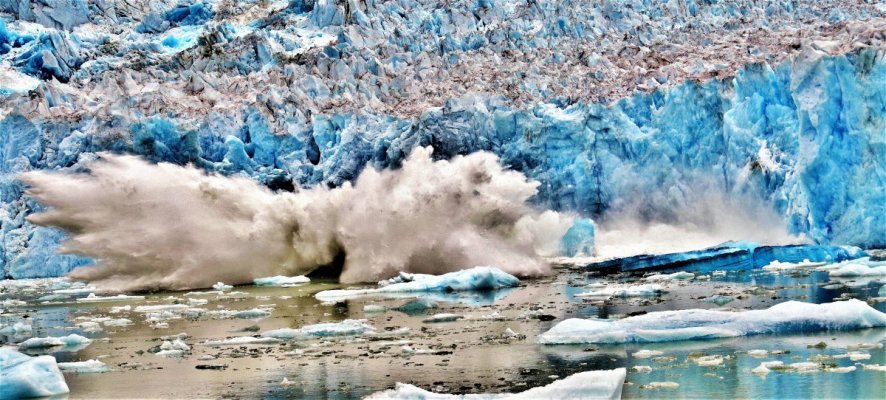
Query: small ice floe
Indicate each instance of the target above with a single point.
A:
(350, 327)
(281, 281)
(417, 306)
(72, 340)
(874, 367)
(660, 385)
(473, 279)
(676, 276)
(197, 302)
(841, 370)
(84, 367)
(798, 367)
(255, 313)
(442, 317)
(510, 334)
(696, 324)
(174, 348)
(92, 298)
(719, 300)
(221, 286)
(778, 266)
(117, 310)
(241, 340)
(583, 385)
(374, 308)
(22, 376)
(649, 289)
(646, 353)
(707, 361)
(641, 368)
(89, 326)
(854, 355)
(285, 382)
(864, 346)
(758, 353)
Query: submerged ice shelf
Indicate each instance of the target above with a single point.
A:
(697, 324)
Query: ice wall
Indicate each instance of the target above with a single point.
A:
(783, 104)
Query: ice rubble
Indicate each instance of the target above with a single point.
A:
(84, 367)
(472, 279)
(308, 94)
(696, 324)
(583, 385)
(22, 376)
(281, 280)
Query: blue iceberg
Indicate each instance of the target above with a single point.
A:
(22, 376)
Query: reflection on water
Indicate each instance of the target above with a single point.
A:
(470, 355)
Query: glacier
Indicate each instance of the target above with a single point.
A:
(746, 101)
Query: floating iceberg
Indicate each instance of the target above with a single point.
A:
(281, 280)
(473, 279)
(858, 270)
(84, 367)
(72, 340)
(624, 291)
(583, 385)
(676, 276)
(92, 298)
(22, 376)
(696, 324)
(349, 327)
(240, 341)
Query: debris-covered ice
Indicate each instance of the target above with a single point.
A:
(22, 376)
(696, 324)
(583, 385)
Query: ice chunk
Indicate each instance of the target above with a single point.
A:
(786, 266)
(92, 298)
(646, 353)
(444, 317)
(221, 286)
(473, 279)
(241, 340)
(624, 291)
(695, 324)
(349, 327)
(676, 276)
(374, 308)
(660, 385)
(583, 385)
(84, 367)
(22, 376)
(72, 340)
(280, 280)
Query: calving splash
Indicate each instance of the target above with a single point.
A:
(154, 226)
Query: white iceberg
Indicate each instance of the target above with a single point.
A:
(71, 340)
(92, 298)
(650, 289)
(280, 280)
(22, 376)
(349, 327)
(776, 265)
(583, 385)
(676, 276)
(858, 270)
(473, 279)
(696, 324)
(84, 367)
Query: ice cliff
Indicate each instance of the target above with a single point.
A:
(647, 105)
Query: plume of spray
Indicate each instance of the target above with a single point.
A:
(661, 222)
(164, 226)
